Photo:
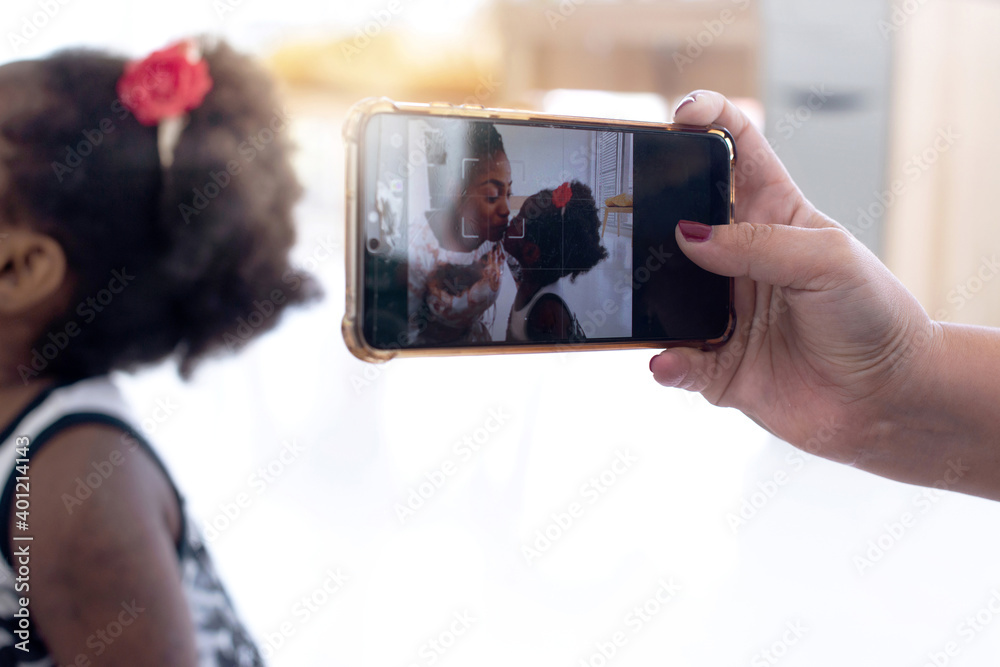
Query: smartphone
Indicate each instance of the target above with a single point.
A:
(473, 231)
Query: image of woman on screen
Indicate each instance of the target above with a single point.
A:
(555, 234)
(456, 259)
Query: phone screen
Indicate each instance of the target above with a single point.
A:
(480, 233)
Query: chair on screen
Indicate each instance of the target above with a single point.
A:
(618, 204)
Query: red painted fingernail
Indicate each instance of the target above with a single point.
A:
(695, 231)
(687, 100)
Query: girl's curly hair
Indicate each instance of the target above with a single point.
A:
(180, 261)
(568, 240)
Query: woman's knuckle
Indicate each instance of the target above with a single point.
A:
(751, 236)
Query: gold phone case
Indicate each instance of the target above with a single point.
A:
(354, 128)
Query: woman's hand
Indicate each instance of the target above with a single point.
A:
(830, 350)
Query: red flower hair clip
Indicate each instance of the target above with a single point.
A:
(160, 89)
(166, 84)
(562, 195)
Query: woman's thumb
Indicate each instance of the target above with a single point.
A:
(796, 257)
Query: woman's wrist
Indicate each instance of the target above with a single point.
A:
(939, 427)
(967, 369)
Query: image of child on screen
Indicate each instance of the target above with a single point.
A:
(555, 234)
(456, 260)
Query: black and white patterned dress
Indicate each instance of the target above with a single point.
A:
(221, 639)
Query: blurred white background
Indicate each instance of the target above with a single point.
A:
(677, 533)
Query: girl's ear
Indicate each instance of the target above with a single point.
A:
(32, 269)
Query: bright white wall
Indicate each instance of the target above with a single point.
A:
(541, 159)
